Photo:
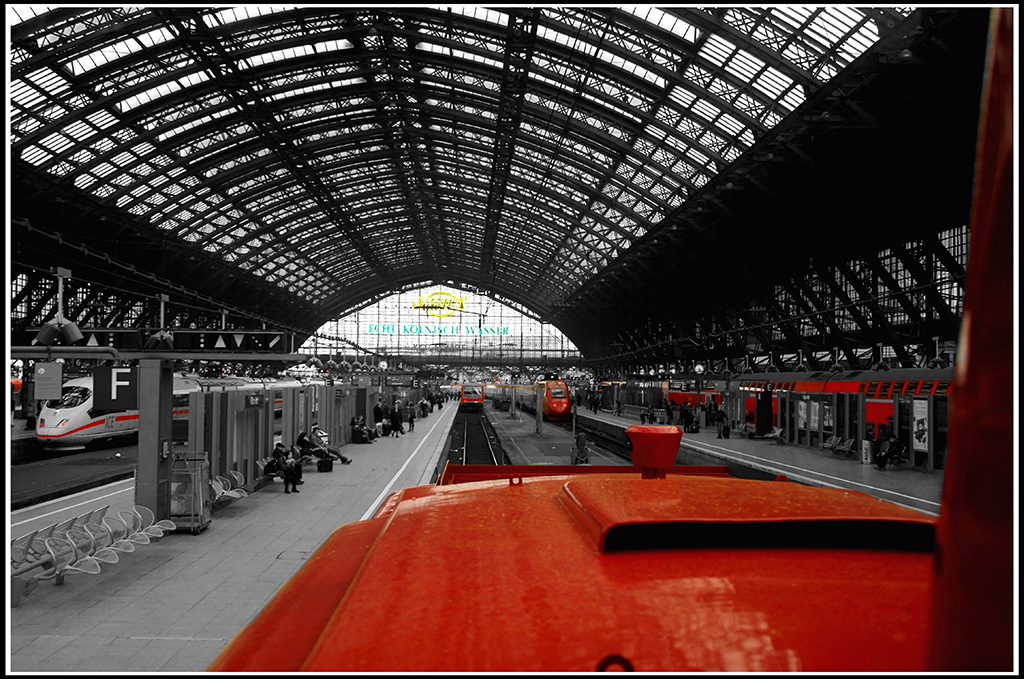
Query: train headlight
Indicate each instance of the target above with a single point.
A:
(62, 422)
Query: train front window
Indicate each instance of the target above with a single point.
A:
(472, 392)
(71, 397)
(558, 393)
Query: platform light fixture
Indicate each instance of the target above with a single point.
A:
(59, 326)
(161, 340)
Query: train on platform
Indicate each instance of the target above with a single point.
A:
(471, 397)
(556, 400)
(556, 397)
(73, 422)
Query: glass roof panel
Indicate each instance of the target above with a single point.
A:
(618, 123)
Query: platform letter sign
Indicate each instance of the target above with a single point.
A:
(116, 388)
(49, 378)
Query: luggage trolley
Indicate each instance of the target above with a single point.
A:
(191, 500)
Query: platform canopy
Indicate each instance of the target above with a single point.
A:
(607, 168)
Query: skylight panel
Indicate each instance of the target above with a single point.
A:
(634, 101)
(26, 12)
(573, 42)
(829, 27)
(149, 95)
(101, 119)
(481, 13)
(275, 55)
(630, 67)
(331, 45)
(682, 96)
(727, 122)
(706, 109)
(234, 14)
(793, 98)
(24, 96)
(698, 156)
(459, 54)
(49, 82)
(665, 22)
(717, 50)
(772, 82)
(744, 65)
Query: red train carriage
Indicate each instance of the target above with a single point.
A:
(555, 400)
(471, 397)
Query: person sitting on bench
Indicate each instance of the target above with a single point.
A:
(893, 453)
(360, 434)
(319, 447)
(276, 466)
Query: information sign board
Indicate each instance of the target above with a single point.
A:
(49, 379)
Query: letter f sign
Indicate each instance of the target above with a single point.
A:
(119, 377)
(115, 388)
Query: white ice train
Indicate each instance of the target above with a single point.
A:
(72, 420)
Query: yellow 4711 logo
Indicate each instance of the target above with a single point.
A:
(440, 304)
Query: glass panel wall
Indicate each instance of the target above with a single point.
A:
(439, 324)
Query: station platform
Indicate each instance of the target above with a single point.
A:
(172, 605)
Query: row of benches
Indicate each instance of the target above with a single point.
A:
(82, 543)
(227, 489)
(79, 544)
(837, 445)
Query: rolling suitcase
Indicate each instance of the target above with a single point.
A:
(325, 464)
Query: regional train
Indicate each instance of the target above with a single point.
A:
(556, 397)
(471, 397)
(72, 421)
(556, 401)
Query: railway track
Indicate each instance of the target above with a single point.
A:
(474, 441)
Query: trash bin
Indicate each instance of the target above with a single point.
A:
(868, 450)
(191, 499)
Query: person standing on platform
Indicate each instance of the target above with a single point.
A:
(650, 414)
(580, 454)
(412, 415)
(292, 471)
(887, 430)
(668, 412)
(378, 414)
(687, 414)
(396, 420)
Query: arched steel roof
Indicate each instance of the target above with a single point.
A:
(338, 153)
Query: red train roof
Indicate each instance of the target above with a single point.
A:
(571, 572)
